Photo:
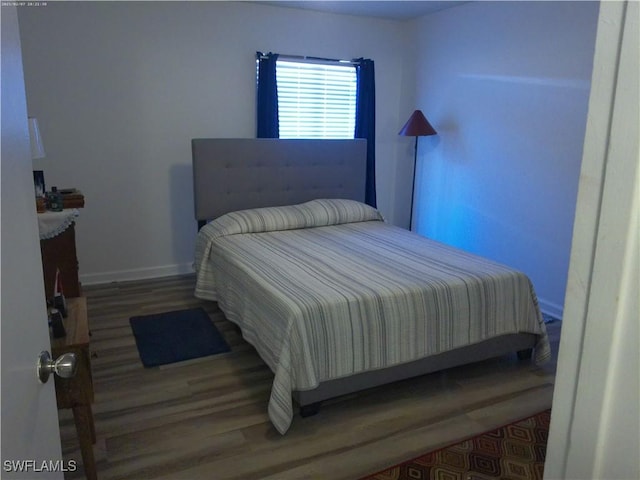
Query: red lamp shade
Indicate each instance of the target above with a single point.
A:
(417, 126)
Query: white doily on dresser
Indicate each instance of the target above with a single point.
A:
(52, 224)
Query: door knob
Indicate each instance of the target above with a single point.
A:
(64, 366)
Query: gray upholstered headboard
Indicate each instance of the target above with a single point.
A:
(238, 173)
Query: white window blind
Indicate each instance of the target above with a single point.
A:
(316, 100)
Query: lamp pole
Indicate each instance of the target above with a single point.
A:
(416, 126)
(413, 184)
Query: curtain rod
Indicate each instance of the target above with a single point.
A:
(318, 59)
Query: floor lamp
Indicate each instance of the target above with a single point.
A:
(416, 126)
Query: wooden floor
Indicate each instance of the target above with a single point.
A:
(207, 419)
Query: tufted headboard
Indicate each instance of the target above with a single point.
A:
(238, 173)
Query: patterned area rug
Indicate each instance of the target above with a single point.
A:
(516, 451)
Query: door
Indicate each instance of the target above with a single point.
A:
(595, 419)
(30, 434)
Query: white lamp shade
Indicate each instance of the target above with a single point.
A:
(37, 147)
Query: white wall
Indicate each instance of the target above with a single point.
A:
(506, 85)
(120, 88)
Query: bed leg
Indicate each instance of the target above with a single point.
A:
(525, 354)
(309, 410)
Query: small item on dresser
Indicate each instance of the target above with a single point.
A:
(38, 183)
(60, 304)
(41, 205)
(54, 200)
(72, 198)
(59, 301)
(57, 324)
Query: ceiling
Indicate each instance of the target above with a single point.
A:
(396, 10)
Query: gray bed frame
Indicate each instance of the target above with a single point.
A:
(237, 174)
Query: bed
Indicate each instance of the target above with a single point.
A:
(334, 299)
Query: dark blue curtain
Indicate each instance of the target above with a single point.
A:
(366, 121)
(267, 120)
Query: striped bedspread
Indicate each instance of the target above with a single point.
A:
(327, 289)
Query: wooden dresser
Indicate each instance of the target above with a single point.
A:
(58, 250)
(59, 253)
(77, 392)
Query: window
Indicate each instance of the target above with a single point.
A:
(316, 99)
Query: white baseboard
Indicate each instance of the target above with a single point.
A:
(551, 308)
(136, 274)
